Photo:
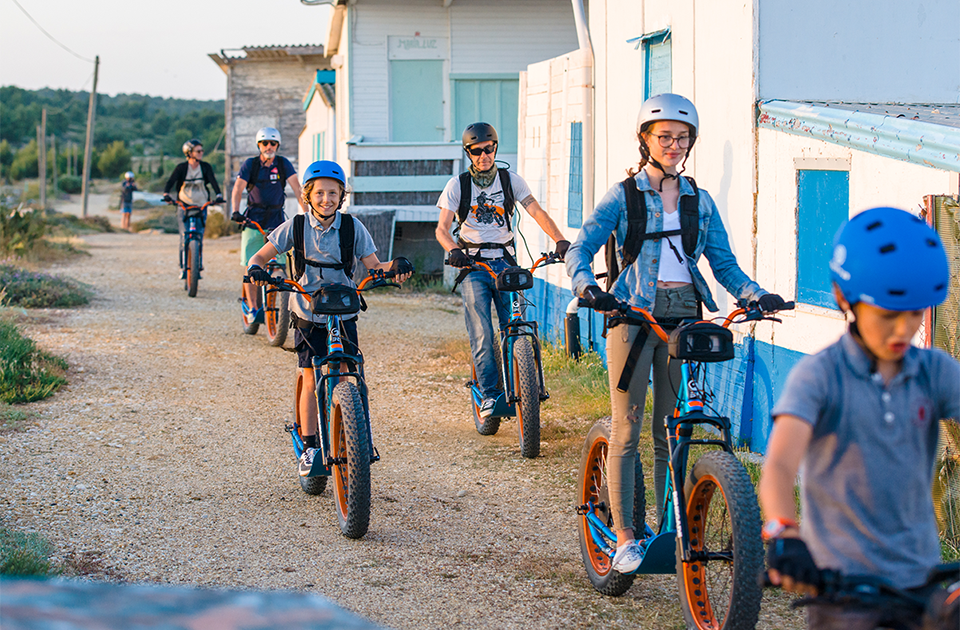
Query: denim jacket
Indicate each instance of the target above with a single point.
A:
(637, 284)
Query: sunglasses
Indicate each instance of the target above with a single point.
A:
(478, 152)
(270, 143)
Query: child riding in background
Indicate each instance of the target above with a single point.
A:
(127, 189)
(860, 420)
(323, 230)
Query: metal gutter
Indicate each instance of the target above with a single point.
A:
(919, 142)
(583, 39)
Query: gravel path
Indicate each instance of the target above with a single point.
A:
(165, 460)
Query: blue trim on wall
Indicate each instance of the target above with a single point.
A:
(745, 388)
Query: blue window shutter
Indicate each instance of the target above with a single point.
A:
(658, 67)
(575, 186)
(823, 204)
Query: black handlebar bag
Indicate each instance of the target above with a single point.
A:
(704, 342)
(336, 299)
(514, 279)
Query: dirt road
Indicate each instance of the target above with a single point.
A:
(165, 460)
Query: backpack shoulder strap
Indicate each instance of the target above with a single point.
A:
(636, 220)
(466, 192)
(299, 259)
(281, 171)
(254, 174)
(509, 203)
(690, 219)
(347, 231)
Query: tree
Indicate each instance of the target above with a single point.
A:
(6, 158)
(114, 160)
(25, 162)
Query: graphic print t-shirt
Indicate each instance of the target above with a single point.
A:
(487, 220)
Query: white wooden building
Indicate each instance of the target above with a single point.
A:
(788, 97)
(410, 76)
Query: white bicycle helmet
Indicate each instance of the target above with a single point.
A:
(128, 175)
(268, 133)
(668, 107)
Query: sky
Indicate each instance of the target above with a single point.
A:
(154, 48)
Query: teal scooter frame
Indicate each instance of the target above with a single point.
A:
(709, 532)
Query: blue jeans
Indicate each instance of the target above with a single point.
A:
(479, 290)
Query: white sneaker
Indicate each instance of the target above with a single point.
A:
(487, 407)
(306, 461)
(628, 558)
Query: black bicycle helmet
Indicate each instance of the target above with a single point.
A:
(190, 145)
(478, 132)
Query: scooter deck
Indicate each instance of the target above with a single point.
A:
(660, 555)
(503, 408)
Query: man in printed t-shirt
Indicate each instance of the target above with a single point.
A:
(485, 233)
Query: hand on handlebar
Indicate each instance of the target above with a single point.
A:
(167, 198)
(402, 269)
(458, 259)
(561, 249)
(258, 275)
(792, 567)
(600, 300)
(236, 216)
(771, 302)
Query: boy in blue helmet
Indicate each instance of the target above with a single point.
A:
(860, 419)
(323, 192)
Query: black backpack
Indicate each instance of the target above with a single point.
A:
(255, 172)
(346, 233)
(637, 227)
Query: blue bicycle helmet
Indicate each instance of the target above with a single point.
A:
(323, 168)
(891, 259)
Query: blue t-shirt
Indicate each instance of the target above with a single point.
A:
(866, 502)
(265, 200)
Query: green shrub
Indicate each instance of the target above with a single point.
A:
(24, 554)
(72, 184)
(27, 373)
(24, 162)
(218, 225)
(12, 418)
(28, 289)
(20, 231)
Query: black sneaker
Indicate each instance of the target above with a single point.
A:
(306, 461)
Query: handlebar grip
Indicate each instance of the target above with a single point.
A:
(789, 306)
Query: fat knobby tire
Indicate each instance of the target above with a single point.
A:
(351, 478)
(193, 273)
(722, 516)
(278, 321)
(527, 383)
(592, 485)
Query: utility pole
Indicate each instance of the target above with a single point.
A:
(42, 157)
(53, 149)
(88, 150)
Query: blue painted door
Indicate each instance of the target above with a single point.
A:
(496, 101)
(823, 204)
(416, 101)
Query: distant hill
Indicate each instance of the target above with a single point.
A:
(147, 125)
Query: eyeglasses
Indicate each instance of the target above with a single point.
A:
(487, 149)
(683, 142)
(270, 143)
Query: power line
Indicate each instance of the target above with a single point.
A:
(51, 37)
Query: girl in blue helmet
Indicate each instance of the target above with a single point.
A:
(860, 419)
(323, 228)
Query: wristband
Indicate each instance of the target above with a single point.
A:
(775, 527)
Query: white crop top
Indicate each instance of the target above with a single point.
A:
(672, 268)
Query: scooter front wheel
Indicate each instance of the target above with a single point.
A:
(351, 473)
